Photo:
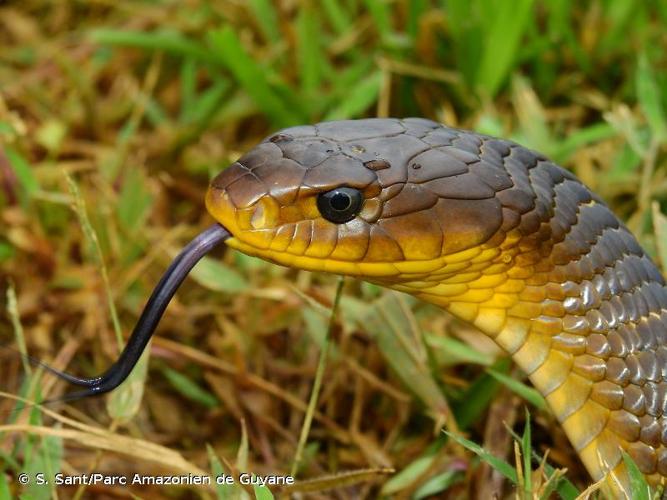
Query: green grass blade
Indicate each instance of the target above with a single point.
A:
(223, 489)
(618, 16)
(449, 351)
(391, 322)
(309, 52)
(217, 276)
(252, 77)
(497, 463)
(24, 173)
(188, 87)
(267, 19)
(135, 201)
(315, 325)
(164, 40)
(438, 484)
(204, 107)
(564, 486)
(262, 492)
(381, 15)
(582, 137)
(359, 98)
(5, 494)
(413, 470)
(7, 252)
(640, 489)
(317, 382)
(189, 389)
(624, 165)
(477, 397)
(527, 452)
(337, 15)
(6, 129)
(501, 44)
(465, 30)
(155, 113)
(44, 457)
(558, 20)
(13, 313)
(124, 403)
(660, 231)
(534, 131)
(416, 9)
(458, 16)
(527, 393)
(649, 98)
(95, 252)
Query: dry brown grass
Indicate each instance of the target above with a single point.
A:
(142, 131)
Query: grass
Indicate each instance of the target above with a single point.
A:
(141, 103)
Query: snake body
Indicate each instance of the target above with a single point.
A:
(497, 235)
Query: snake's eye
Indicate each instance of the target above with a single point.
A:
(340, 205)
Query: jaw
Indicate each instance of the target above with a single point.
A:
(296, 261)
(257, 244)
(396, 275)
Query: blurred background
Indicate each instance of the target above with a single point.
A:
(114, 116)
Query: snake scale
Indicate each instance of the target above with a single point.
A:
(492, 232)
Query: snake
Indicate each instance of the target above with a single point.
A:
(494, 233)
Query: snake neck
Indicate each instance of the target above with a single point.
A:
(586, 319)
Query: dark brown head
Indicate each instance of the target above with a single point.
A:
(377, 197)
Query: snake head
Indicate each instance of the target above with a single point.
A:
(373, 198)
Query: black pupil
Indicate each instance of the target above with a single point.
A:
(341, 201)
(340, 205)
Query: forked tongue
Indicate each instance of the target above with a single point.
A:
(148, 321)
